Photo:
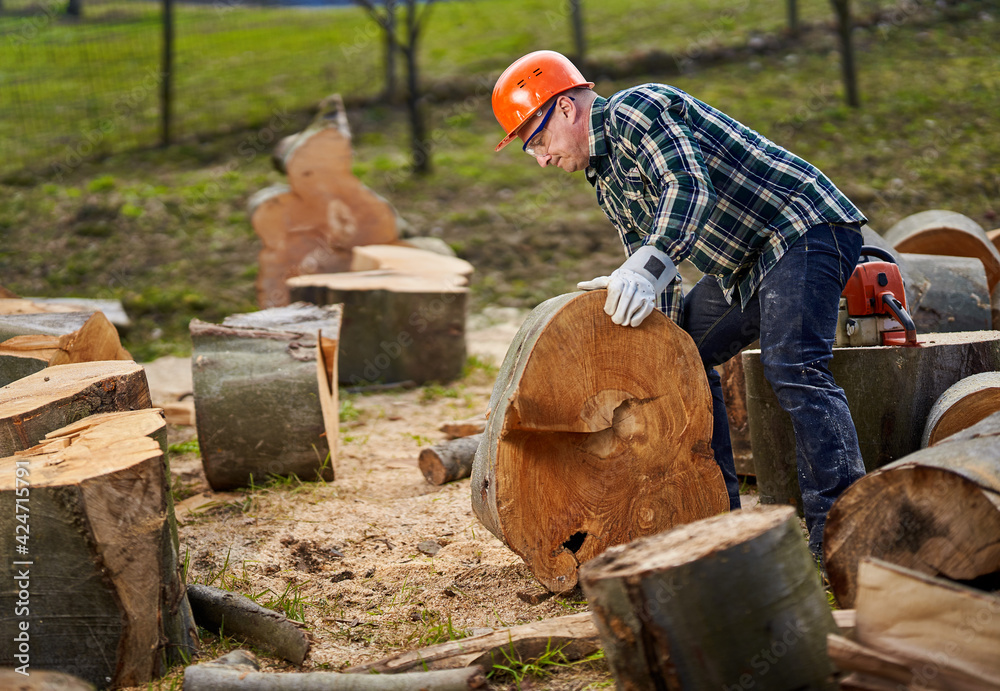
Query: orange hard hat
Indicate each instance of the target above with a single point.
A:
(526, 85)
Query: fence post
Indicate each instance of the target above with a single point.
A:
(167, 72)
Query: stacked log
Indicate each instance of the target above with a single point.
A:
(310, 225)
(265, 394)
(731, 601)
(612, 448)
(936, 511)
(962, 405)
(397, 326)
(100, 585)
(890, 392)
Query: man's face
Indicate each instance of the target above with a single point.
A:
(554, 136)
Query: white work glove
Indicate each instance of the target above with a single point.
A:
(633, 287)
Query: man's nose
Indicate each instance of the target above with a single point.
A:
(543, 161)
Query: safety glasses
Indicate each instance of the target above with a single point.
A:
(533, 145)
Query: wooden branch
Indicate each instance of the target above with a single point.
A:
(236, 615)
(464, 428)
(575, 636)
(239, 671)
(450, 460)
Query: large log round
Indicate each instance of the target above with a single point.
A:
(946, 233)
(936, 511)
(597, 434)
(397, 326)
(890, 392)
(965, 403)
(732, 601)
(98, 588)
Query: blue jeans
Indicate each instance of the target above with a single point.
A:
(794, 313)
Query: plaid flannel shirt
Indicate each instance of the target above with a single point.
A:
(675, 173)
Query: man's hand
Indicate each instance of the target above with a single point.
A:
(633, 287)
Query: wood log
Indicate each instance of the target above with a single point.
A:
(265, 398)
(962, 405)
(943, 294)
(614, 447)
(850, 656)
(96, 340)
(397, 326)
(732, 600)
(112, 309)
(41, 323)
(464, 428)
(35, 405)
(890, 392)
(239, 671)
(222, 611)
(936, 511)
(410, 260)
(310, 225)
(734, 393)
(575, 636)
(100, 564)
(946, 233)
(41, 680)
(450, 460)
(948, 634)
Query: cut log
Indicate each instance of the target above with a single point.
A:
(41, 323)
(265, 398)
(948, 634)
(575, 636)
(451, 460)
(112, 309)
(962, 405)
(235, 615)
(96, 340)
(936, 511)
(734, 393)
(850, 656)
(40, 680)
(239, 671)
(732, 600)
(890, 392)
(613, 448)
(410, 260)
(464, 428)
(42, 402)
(310, 225)
(92, 505)
(397, 326)
(946, 233)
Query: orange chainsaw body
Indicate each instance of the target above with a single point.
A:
(875, 292)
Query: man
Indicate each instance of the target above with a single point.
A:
(775, 238)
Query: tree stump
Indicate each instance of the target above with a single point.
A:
(936, 511)
(590, 444)
(99, 575)
(450, 460)
(410, 260)
(33, 406)
(962, 405)
(890, 392)
(397, 327)
(946, 233)
(310, 225)
(731, 601)
(264, 392)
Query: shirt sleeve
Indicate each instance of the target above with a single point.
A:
(670, 157)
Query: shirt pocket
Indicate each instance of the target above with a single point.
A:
(639, 202)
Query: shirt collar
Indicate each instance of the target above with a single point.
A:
(597, 143)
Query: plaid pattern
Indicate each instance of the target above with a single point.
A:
(676, 173)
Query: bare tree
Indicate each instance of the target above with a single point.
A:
(406, 39)
(845, 26)
(74, 8)
(576, 19)
(793, 17)
(383, 12)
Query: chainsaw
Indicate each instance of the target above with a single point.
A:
(873, 304)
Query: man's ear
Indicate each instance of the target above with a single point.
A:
(567, 107)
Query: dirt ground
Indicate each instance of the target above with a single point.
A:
(377, 561)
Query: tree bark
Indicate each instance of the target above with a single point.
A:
(310, 225)
(845, 29)
(239, 670)
(101, 551)
(575, 636)
(890, 392)
(219, 610)
(732, 600)
(42, 402)
(265, 397)
(450, 460)
(936, 511)
(964, 404)
(397, 327)
(598, 434)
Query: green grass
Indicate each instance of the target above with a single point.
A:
(167, 232)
